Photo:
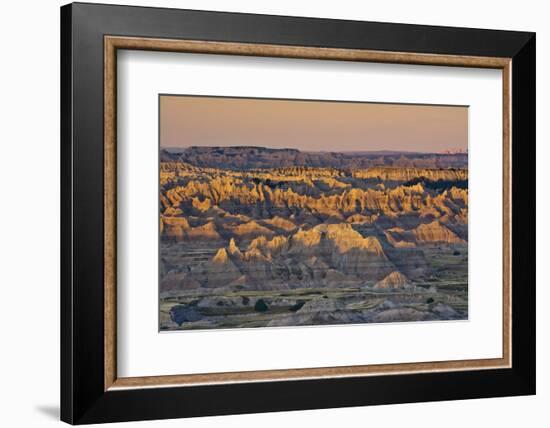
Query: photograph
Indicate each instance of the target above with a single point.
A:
(294, 212)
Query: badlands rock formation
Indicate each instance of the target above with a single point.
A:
(263, 222)
(394, 280)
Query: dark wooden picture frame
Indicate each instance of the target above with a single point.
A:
(90, 37)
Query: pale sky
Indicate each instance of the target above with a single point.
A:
(310, 125)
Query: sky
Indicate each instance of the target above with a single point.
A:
(311, 125)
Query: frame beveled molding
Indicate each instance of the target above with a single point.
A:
(85, 207)
(114, 43)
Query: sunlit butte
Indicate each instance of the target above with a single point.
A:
(311, 125)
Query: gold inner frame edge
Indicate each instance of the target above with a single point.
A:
(113, 43)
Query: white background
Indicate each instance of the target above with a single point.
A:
(142, 351)
(29, 218)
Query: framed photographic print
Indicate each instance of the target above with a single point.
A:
(265, 213)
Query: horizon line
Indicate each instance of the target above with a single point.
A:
(446, 152)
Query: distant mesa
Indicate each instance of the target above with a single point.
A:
(251, 157)
(167, 156)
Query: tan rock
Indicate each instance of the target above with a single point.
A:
(280, 223)
(220, 271)
(234, 250)
(249, 230)
(394, 280)
(206, 232)
(435, 232)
